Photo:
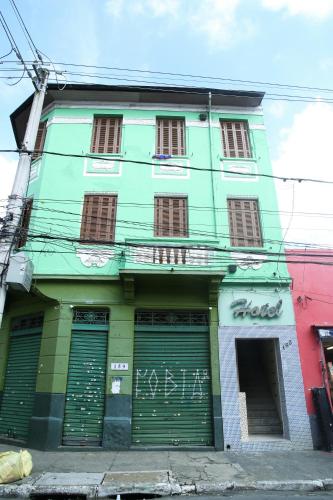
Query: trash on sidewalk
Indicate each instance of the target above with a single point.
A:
(14, 466)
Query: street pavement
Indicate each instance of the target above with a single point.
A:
(107, 473)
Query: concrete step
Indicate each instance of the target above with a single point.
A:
(267, 429)
(261, 412)
(264, 421)
(260, 404)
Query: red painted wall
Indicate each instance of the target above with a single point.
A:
(312, 292)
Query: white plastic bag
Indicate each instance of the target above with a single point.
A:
(14, 466)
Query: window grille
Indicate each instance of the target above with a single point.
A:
(244, 223)
(24, 322)
(235, 139)
(91, 317)
(179, 318)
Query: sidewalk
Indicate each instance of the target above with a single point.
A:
(100, 474)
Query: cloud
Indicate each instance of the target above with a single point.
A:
(277, 109)
(305, 151)
(221, 24)
(319, 10)
(115, 7)
(166, 7)
(218, 21)
(8, 169)
(326, 64)
(156, 8)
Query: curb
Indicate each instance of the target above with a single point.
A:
(25, 490)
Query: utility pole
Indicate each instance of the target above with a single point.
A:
(16, 202)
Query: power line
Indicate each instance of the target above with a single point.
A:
(26, 33)
(200, 169)
(256, 252)
(16, 50)
(279, 97)
(143, 226)
(106, 77)
(202, 77)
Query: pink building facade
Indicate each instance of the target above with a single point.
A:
(312, 293)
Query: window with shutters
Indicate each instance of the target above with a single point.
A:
(170, 136)
(25, 220)
(171, 218)
(40, 140)
(244, 223)
(106, 137)
(235, 139)
(99, 217)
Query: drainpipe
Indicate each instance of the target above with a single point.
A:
(211, 159)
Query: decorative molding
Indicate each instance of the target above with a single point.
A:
(69, 121)
(94, 257)
(110, 105)
(234, 167)
(139, 121)
(179, 171)
(248, 261)
(102, 168)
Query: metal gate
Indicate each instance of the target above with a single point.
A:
(172, 404)
(85, 397)
(20, 382)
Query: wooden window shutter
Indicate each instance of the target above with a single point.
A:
(235, 139)
(171, 217)
(25, 221)
(99, 217)
(106, 136)
(40, 140)
(170, 136)
(244, 223)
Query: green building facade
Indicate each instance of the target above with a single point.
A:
(147, 216)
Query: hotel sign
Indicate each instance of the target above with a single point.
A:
(244, 307)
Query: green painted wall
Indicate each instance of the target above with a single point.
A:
(150, 294)
(59, 190)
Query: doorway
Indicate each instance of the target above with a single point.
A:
(259, 387)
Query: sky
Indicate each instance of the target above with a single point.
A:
(269, 41)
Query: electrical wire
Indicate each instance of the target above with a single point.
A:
(25, 31)
(6, 55)
(199, 169)
(15, 49)
(200, 77)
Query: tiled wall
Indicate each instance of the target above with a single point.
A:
(296, 426)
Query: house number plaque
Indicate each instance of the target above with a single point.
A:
(119, 366)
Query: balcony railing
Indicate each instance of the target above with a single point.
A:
(164, 255)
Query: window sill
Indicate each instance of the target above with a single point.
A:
(237, 158)
(106, 155)
(173, 157)
(248, 249)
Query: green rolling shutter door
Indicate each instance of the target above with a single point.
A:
(85, 398)
(172, 386)
(20, 382)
